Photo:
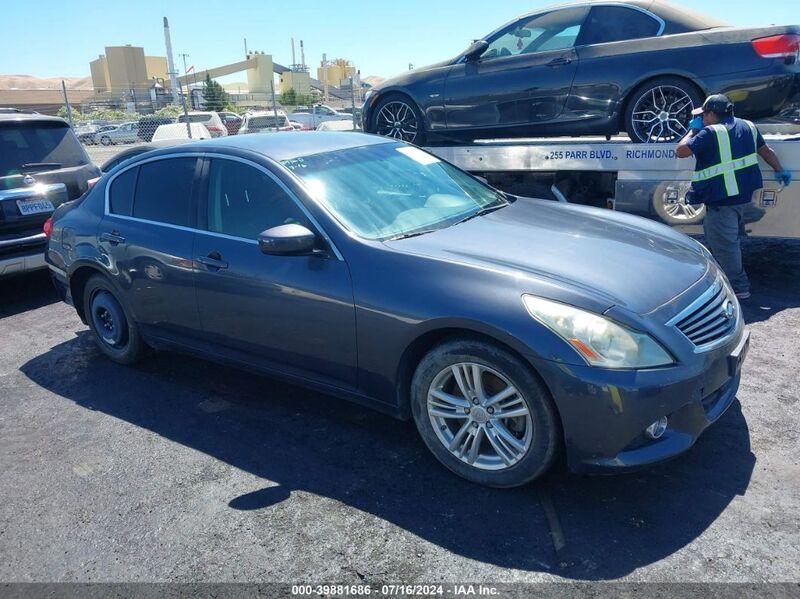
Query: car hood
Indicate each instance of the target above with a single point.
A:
(409, 77)
(629, 261)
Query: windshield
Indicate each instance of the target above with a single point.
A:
(390, 190)
(262, 122)
(53, 144)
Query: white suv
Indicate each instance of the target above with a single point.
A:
(256, 122)
(210, 119)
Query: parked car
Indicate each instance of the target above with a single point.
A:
(178, 131)
(149, 124)
(369, 269)
(320, 113)
(599, 68)
(232, 122)
(211, 120)
(87, 135)
(296, 126)
(258, 122)
(42, 165)
(346, 125)
(126, 133)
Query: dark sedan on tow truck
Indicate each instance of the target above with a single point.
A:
(591, 68)
(508, 328)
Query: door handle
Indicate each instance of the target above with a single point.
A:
(213, 261)
(114, 238)
(560, 61)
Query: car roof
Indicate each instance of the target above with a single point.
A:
(30, 118)
(287, 145)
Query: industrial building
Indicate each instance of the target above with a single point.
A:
(336, 72)
(126, 67)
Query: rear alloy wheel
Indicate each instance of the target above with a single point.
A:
(398, 118)
(660, 111)
(483, 414)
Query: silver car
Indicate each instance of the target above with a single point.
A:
(126, 133)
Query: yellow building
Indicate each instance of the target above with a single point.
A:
(337, 72)
(126, 67)
(299, 81)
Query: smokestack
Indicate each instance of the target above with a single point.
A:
(173, 79)
(302, 55)
(294, 58)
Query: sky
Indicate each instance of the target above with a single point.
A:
(380, 37)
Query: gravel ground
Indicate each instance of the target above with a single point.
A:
(181, 470)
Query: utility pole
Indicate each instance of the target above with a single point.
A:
(353, 99)
(325, 78)
(66, 101)
(274, 105)
(185, 74)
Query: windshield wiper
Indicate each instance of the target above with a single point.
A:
(481, 212)
(32, 167)
(411, 234)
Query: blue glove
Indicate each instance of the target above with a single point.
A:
(696, 123)
(784, 177)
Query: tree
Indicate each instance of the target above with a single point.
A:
(288, 98)
(214, 95)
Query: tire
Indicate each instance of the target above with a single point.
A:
(113, 330)
(105, 140)
(536, 433)
(661, 107)
(407, 119)
(669, 203)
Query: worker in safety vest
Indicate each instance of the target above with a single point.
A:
(725, 177)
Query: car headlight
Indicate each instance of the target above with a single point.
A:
(600, 341)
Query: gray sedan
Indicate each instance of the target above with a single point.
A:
(126, 133)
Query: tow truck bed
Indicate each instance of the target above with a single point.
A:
(644, 179)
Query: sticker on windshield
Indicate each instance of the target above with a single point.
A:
(418, 155)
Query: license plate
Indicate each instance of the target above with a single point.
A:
(27, 207)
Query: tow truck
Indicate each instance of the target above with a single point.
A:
(644, 179)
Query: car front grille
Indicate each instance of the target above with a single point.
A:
(711, 318)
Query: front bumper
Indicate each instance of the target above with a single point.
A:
(604, 413)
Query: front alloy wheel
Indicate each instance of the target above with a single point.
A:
(397, 119)
(479, 416)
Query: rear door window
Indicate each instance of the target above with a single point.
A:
(38, 146)
(164, 191)
(617, 23)
(120, 195)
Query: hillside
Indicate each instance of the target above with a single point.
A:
(31, 82)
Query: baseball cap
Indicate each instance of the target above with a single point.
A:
(716, 103)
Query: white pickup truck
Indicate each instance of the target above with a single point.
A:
(310, 118)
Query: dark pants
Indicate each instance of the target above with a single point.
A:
(723, 226)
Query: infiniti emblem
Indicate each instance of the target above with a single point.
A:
(28, 180)
(728, 309)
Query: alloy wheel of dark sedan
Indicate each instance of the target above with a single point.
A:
(660, 114)
(397, 119)
(480, 416)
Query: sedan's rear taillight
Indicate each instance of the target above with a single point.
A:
(47, 228)
(778, 46)
(213, 130)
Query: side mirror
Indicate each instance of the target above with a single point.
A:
(287, 240)
(475, 50)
